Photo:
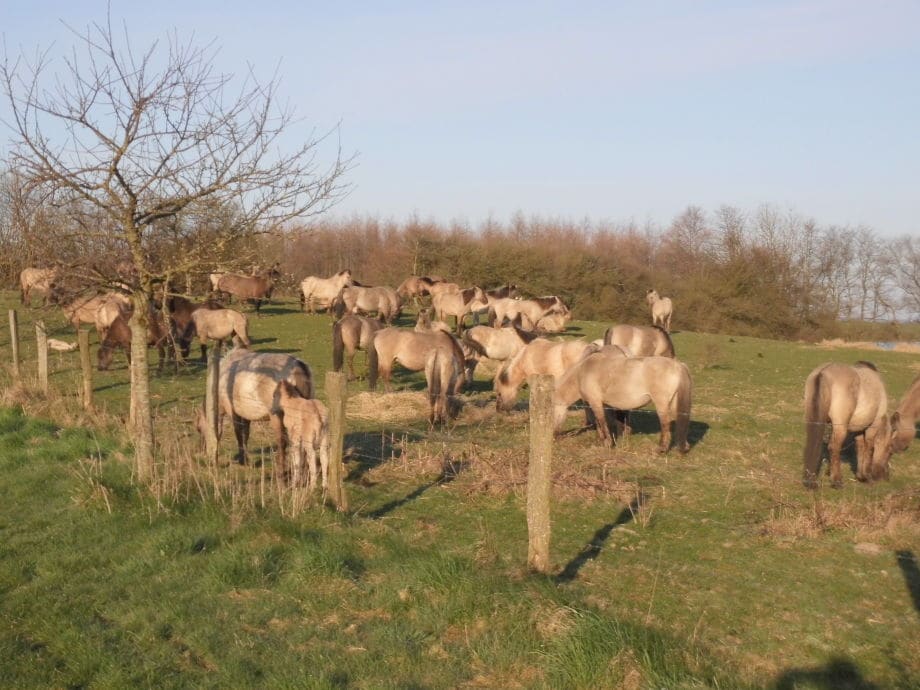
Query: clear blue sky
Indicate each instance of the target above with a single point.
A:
(606, 110)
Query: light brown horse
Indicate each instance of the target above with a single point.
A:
(553, 323)
(249, 390)
(220, 324)
(640, 341)
(540, 356)
(662, 309)
(181, 323)
(411, 349)
(380, 300)
(40, 279)
(306, 422)
(254, 288)
(85, 309)
(532, 309)
(320, 292)
(118, 336)
(416, 287)
(424, 323)
(350, 334)
(609, 378)
(458, 304)
(500, 344)
(852, 399)
(443, 375)
(904, 419)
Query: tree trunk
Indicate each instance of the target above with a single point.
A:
(142, 421)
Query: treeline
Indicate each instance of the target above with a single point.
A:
(762, 273)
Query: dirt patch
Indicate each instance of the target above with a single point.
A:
(839, 343)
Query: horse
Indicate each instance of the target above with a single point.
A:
(439, 287)
(608, 377)
(350, 334)
(181, 324)
(661, 309)
(641, 341)
(306, 423)
(540, 356)
(41, 279)
(423, 323)
(254, 287)
(458, 304)
(443, 373)
(416, 287)
(86, 309)
(411, 349)
(219, 324)
(552, 323)
(380, 300)
(851, 399)
(118, 335)
(315, 291)
(533, 309)
(249, 390)
(506, 291)
(904, 419)
(115, 305)
(500, 344)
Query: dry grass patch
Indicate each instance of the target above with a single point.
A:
(838, 343)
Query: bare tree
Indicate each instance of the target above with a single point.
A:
(144, 136)
(905, 263)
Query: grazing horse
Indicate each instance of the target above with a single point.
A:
(306, 422)
(411, 349)
(320, 292)
(532, 309)
(500, 344)
(350, 334)
(114, 306)
(458, 304)
(904, 419)
(181, 323)
(851, 399)
(540, 356)
(381, 300)
(443, 375)
(219, 324)
(609, 378)
(254, 287)
(249, 390)
(641, 341)
(41, 279)
(118, 336)
(661, 309)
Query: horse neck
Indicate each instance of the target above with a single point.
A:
(909, 407)
(567, 388)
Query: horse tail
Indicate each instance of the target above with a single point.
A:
(817, 406)
(338, 306)
(473, 344)
(492, 317)
(682, 422)
(338, 346)
(373, 363)
(303, 301)
(433, 377)
(669, 344)
(242, 330)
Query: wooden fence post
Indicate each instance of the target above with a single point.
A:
(14, 341)
(212, 414)
(41, 339)
(86, 365)
(539, 473)
(335, 393)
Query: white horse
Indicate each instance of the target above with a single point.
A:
(320, 292)
(661, 309)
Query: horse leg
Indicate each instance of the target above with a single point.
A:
(863, 456)
(664, 443)
(278, 427)
(603, 431)
(351, 365)
(838, 435)
(241, 431)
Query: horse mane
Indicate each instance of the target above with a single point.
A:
(546, 302)
(526, 336)
(868, 365)
(667, 337)
(467, 295)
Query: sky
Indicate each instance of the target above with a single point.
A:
(607, 111)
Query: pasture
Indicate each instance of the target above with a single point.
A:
(713, 569)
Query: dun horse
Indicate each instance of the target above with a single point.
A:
(306, 422)
(320, 292)
(382, 301)
(661, 309)
(443, 374)
(628, 383)
(254, 288)
(904, 419)
(350, 334)
(538, 357)
(640, 341)
(500, 344)
(118, 336)
(41, 279)
(533, 309)
(852, 399)
(219, 324)
(249, 390)
(411, 350)
(459, 304)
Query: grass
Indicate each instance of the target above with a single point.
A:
(711, 570)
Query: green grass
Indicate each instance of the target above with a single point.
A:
(728, 574)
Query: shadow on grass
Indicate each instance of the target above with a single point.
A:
(450, 468)
(837, 674)
(593, 548)
(907, 562)
(372, 448)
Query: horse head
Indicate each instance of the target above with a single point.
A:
(506, 386)
(902, 432)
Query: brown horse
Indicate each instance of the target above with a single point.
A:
(904, 419)
(41, 279)
(320, 292)
(118, 336)
(249, 390)
(220, 324)
(381, 300)
(853, 400)
(540, 356)
(350, 334)
(640, 341)
(181, 323)
(411, 349)
(662, 308)
(306, 422)
(254, 288)
(609, 378)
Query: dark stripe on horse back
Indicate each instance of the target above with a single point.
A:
(467, 294)
(864, 363)
(546, 302)
(275, 374)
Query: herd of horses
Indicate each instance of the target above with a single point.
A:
(631, 367)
